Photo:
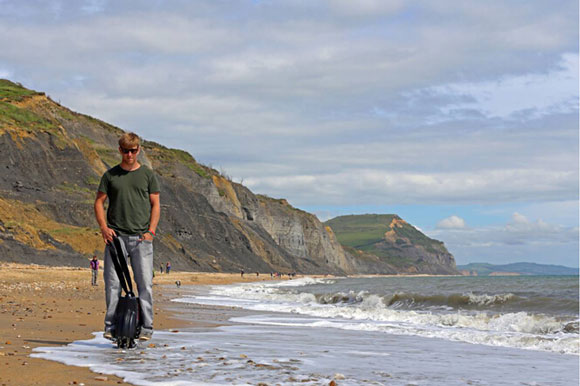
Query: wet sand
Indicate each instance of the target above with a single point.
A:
(50, 306)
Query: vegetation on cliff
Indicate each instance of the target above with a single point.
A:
(393, 241)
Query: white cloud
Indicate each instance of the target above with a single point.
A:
(388, 187)
(5, 74)
(525, 96)
(519, 231)
(451, 222)
(334, 106)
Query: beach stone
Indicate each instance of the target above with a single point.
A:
(101, 378)
(332, 383)
(151, 345)
(339, 376)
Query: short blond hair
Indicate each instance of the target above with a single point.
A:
(129, 140)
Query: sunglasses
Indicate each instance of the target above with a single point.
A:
(127, 151)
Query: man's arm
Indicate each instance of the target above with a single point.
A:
(155, 214)
(107, 232)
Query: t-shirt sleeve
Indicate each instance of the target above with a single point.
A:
(153, 184)
(104, 184)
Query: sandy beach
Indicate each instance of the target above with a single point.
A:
(51, 306)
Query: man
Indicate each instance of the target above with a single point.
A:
(132, 216)
(94, 270)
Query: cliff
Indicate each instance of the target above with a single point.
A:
(51, 164)
(387, 243)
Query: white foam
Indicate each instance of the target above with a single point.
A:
(258, 350)
(368, 312)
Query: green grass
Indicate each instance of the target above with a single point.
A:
(364, 231)
(73, 188)
(361, 232)
(15, 116)
(14, 91)
(110, 157)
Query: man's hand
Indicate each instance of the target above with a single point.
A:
(108, 234)
(146, 236)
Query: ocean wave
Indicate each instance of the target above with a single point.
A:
(400, 313)
(468, 300)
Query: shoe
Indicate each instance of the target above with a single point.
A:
(145, 334)
(109, 334)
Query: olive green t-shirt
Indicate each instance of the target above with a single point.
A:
(128, 192)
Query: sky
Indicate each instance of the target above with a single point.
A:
(459, 116)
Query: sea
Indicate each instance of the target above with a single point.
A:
(385, 330)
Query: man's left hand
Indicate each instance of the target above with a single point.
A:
(146, 236)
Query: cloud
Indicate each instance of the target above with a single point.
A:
(522, 96)
(452, 222)
(325, 102)
(519, 231)
(390, 187)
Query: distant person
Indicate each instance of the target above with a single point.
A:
(241, 272)
(257, 273)
(132, 216)
(167, 267)
(94, 270)
(161, 268)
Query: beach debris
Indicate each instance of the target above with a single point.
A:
(183, 348)
(332, 383)
(243, 356)
(339, 376)
(151, 345)
(101, 378)
(7, 342)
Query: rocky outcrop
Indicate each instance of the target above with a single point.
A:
(388, 244)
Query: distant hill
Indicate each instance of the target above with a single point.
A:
(529, 269)
(392, 241)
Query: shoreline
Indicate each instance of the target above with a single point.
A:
(54, 306)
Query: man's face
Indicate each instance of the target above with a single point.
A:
(129, 154)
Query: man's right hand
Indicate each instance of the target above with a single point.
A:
(108, 234)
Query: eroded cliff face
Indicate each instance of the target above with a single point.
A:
(51, 164)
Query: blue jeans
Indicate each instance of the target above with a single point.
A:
(141, 257)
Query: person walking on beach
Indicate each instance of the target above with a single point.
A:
(132, 216)
(94, 270)
(167, 267)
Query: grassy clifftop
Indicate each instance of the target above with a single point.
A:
(363, 232)
(392, 239)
